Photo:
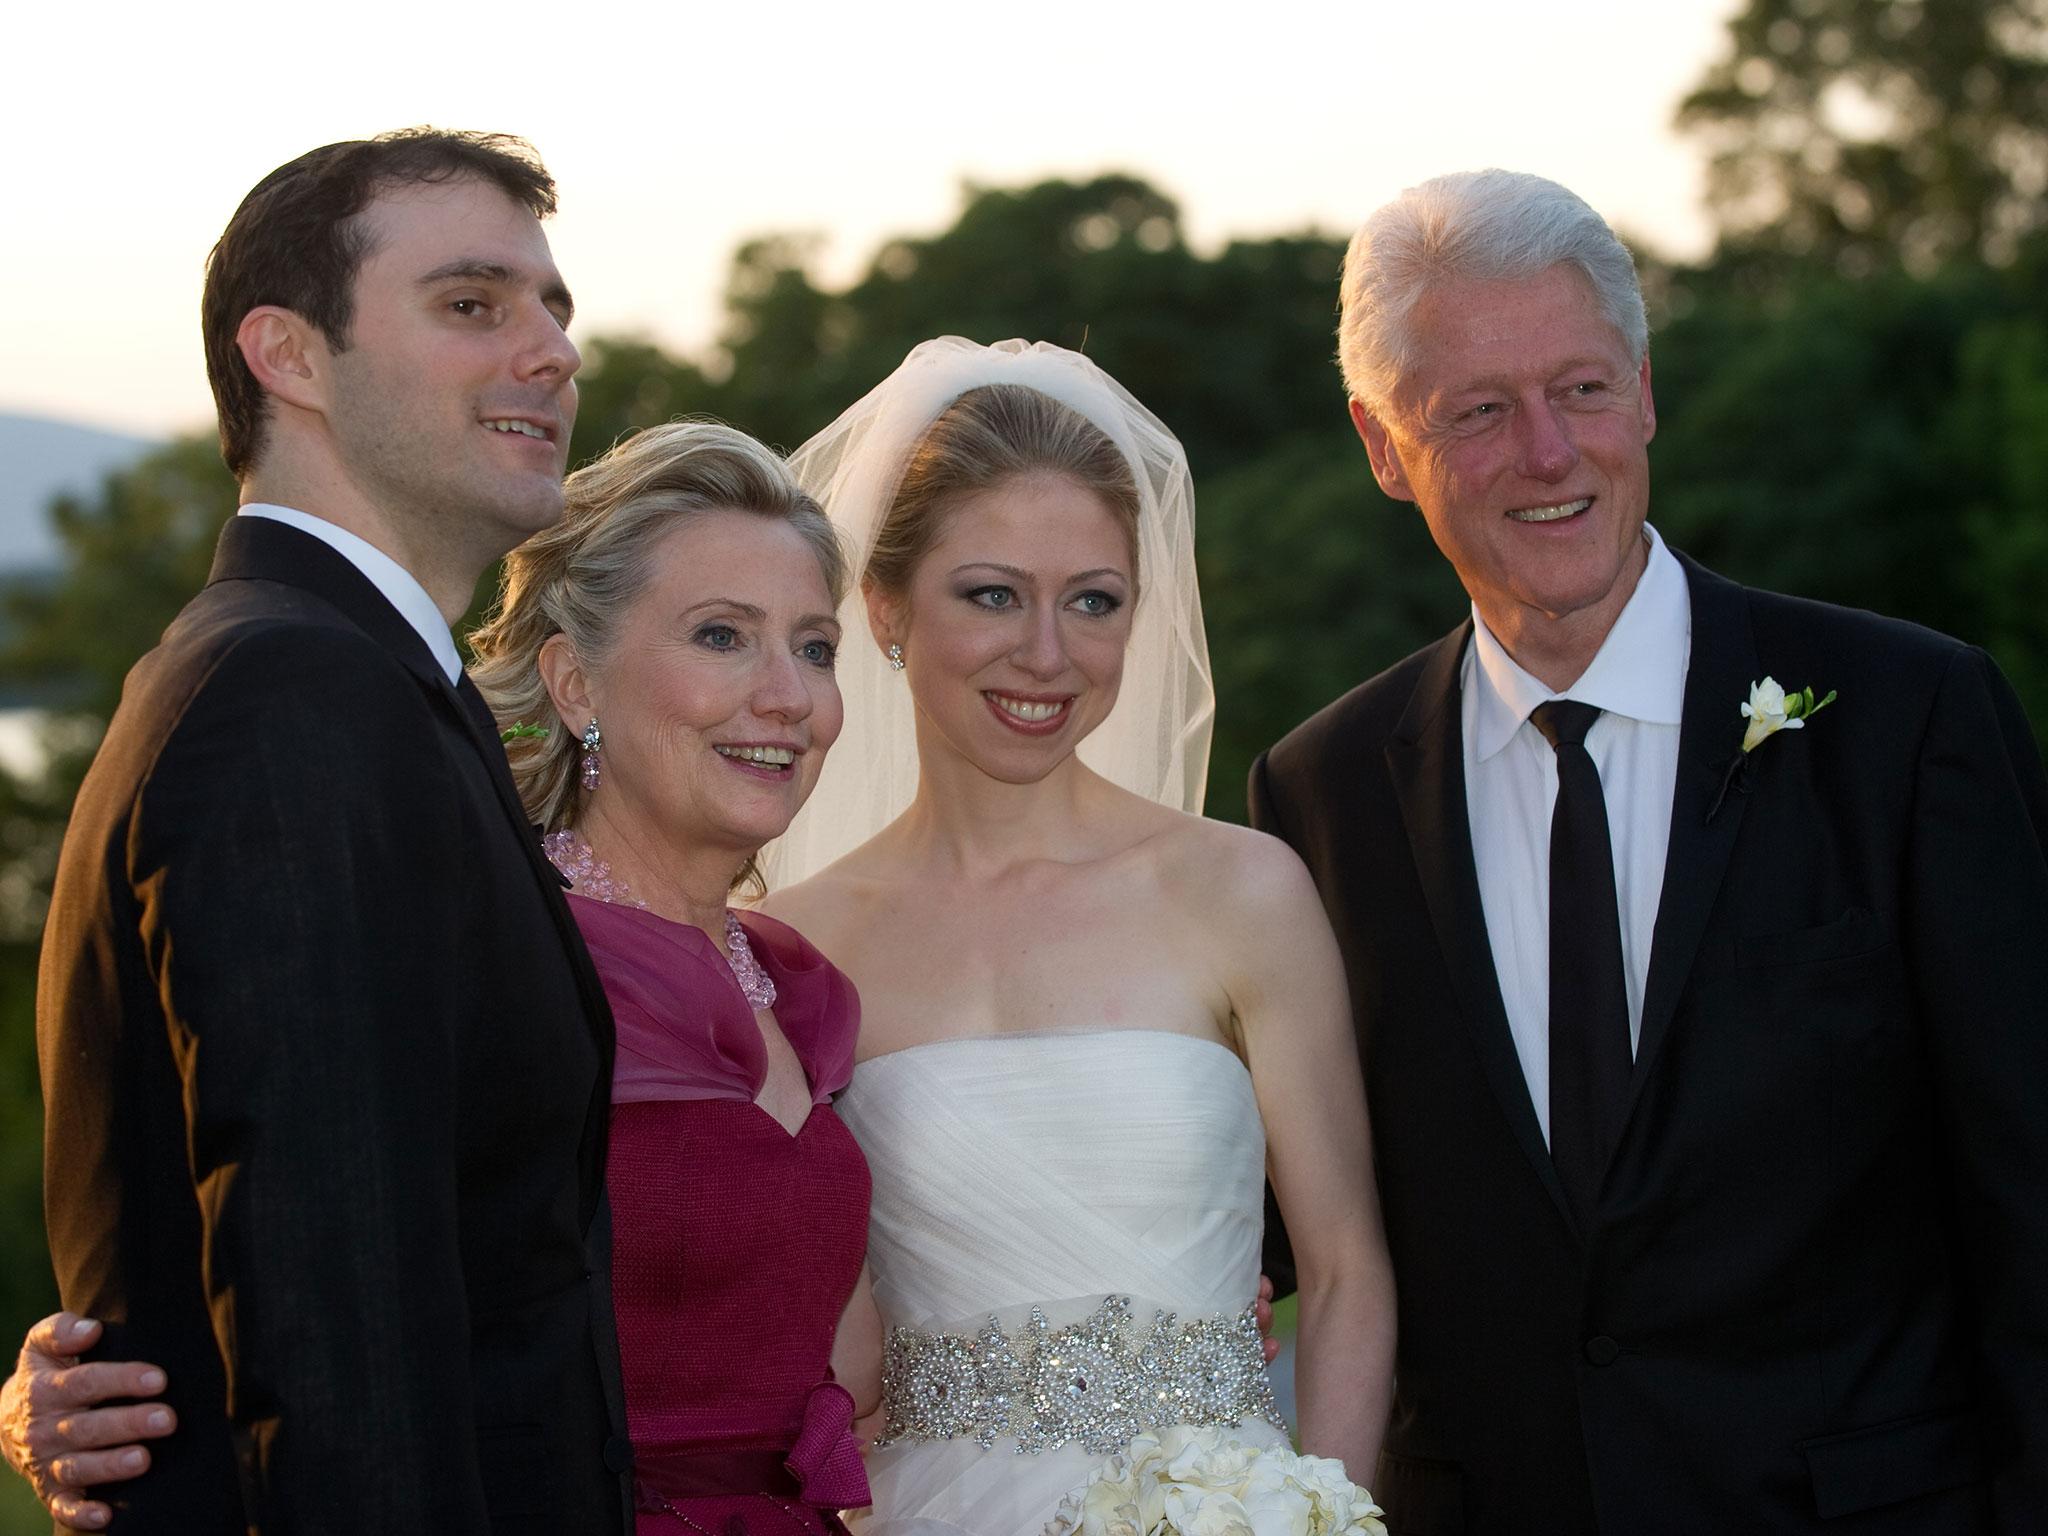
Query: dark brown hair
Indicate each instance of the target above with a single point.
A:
(298, 241)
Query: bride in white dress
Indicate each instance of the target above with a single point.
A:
(1093, 1022)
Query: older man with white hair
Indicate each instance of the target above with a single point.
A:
(1698, 949)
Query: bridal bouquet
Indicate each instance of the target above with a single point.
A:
(1182, 1481)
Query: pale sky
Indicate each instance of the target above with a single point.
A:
(677, 130)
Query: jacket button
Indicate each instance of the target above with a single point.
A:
(1602, 1350)
(618, 1455)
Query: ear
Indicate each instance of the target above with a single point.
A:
(888, 615)
(1379, 447)
(1649, 406)
(568, 683)
(287, 354)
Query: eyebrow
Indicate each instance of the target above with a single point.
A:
(755, 614)
(1021, 575)
(1496, 382)
(477, 269)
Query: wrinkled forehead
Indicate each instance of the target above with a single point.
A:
(1470, 331)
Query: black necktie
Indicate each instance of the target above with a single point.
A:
(1590, 1057)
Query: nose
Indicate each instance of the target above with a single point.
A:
(547, 352)
(781, 691)
(1041, 650)
(1547, 449)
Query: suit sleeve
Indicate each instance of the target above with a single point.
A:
(297, 856)
(1977, 940)
(1278, 1256)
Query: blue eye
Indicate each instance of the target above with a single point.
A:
(819, 653)
(719, 637)
(1097, 604)
(997, 597)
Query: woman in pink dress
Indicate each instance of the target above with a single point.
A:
(675, 632)
(662, 663)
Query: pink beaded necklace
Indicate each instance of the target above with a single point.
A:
(592, 877)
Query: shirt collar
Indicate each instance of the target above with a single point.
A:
(400, 587)
(1639, 671)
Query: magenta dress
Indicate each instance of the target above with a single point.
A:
(735, 1244)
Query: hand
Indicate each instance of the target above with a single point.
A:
(54, 1436)
(1262, 1310)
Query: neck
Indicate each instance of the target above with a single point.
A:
(684, 885)
(325, 491)
(1556, 648)
(979, 826)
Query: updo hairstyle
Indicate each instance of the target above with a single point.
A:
(989, 435)
(582, 576)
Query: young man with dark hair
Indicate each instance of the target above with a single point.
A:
(326, 1067)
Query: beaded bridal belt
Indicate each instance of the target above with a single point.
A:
(1093, 1383)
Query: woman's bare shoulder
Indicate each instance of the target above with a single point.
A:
(1228, 866)
(835, 902)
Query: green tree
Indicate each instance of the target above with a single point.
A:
(1865, 133)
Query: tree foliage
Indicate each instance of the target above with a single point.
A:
(1852, 392)
(1873, 133)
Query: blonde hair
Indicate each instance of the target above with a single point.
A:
(989, 435)
(580, 577)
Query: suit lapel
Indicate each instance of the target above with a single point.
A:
(1426, 759)
(483, 733)
(1723, 664)
(260, 549)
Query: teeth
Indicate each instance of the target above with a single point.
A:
(525, 429)
(773, 757)
(1551, 514)
(1027, 711)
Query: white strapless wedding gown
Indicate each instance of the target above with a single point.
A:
(1055, 1171)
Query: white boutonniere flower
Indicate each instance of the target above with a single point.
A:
(1771, 709)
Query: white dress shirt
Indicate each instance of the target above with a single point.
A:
(400, 587)
(1638, 682)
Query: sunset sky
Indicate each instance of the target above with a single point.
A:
(675, 131)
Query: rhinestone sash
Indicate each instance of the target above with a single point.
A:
(1093, 1383)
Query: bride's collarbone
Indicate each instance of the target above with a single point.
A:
(930, 987)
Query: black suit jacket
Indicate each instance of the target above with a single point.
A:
(1814, 1294)
(326, 1072)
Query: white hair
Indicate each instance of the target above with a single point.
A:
(1472, 225)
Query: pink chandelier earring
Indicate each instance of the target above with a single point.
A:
(895, 655)
(593, 743)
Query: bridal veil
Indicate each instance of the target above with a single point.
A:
(1155, 742)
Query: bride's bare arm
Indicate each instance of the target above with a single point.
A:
(1288, 991)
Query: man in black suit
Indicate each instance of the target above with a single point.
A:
(325, 1064)
(1707, 1054)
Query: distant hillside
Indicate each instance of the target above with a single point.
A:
(39, 458)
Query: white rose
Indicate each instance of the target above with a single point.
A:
(1765, 712)
(1107, 1506)
(1195, 1512)
(1278, 1510)
(1337, 1506)
(1205, 1458)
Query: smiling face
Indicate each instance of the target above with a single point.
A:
(1014, 624)
(718, 702)
(1519, 430)
(452, 403)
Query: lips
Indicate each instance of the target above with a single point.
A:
(773, 759)
(519, 427)
(1032, 716)
(1555, 512)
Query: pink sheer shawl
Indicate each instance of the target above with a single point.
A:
(685, 1031)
